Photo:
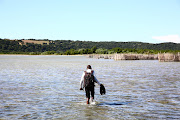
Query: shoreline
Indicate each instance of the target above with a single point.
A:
(39, 55)
(162, 57)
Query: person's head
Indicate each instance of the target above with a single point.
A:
(89, 67)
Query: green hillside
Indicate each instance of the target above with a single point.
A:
(81, 47)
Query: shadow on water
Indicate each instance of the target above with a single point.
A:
(114, 103)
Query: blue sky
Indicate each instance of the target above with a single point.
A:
(152, 21)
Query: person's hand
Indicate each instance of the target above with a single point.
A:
(81, 89)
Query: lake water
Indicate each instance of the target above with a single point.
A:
(47, 87)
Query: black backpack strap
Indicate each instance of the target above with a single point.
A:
(92, 74)
(85, 73)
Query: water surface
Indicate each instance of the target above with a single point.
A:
(47, 87)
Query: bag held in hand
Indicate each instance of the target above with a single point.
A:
(102, 89)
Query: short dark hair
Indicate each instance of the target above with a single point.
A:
(89, 67)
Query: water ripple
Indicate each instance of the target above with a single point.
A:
(47, 87)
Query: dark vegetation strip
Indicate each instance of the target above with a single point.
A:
(69, 47)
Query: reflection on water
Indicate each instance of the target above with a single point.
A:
(47, 87)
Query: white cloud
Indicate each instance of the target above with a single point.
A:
(168, 38)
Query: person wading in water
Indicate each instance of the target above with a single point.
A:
(87, 81)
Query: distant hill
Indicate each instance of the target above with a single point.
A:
(32, 45)
(110, 45)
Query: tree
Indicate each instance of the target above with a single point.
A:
(93, 49)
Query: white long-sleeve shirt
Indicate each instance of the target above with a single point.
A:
(82, 78)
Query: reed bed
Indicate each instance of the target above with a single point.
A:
(125, 56)
(169, 57)
(162, 57)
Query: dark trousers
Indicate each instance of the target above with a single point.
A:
(89, 90)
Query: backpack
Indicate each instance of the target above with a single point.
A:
(88, 79)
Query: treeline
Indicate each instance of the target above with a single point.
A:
(69, 47)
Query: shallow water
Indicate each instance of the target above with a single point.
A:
(47, 87)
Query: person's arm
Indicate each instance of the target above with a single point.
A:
(96, 79)
(82, 81)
